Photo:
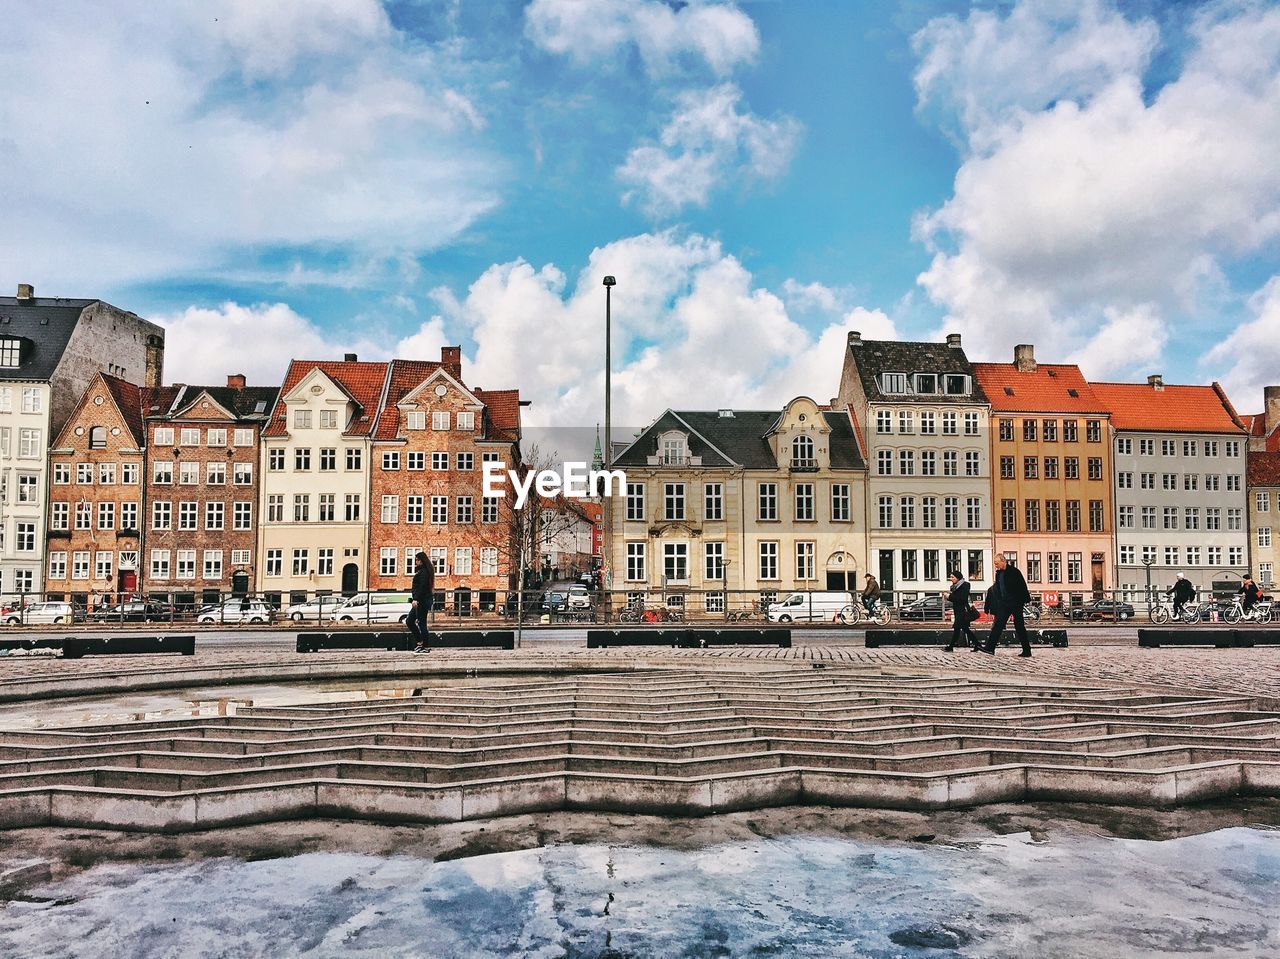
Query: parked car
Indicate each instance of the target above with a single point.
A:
(555, 601)
(929, 608)
(45, 614)
(1102, 609)
(315, 610)
(236, 611)
(134, 611)
(809, 607)
(578, 598)
(375, 608)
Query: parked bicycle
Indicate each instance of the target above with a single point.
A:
(856, 614)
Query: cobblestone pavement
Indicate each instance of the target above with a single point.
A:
(1253, 671)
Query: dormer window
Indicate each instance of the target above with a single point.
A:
(957, 384)
(893, 382)
(802, 457)
(927, 383)
(675, 449)
(10, 351)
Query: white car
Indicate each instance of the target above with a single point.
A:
(235, 611)
(315, 610)
(375, 608)
(43, 614)
(579, 598)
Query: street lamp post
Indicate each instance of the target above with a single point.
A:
(1148, 563)
(609, 283)
(724, 569)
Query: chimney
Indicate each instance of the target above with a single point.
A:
(1024, 358)
(349, 357)
(1271, 407)
(154, 374)
(855, 338)
(26, 292)
(1156, 382)
(451, 360)
(235, 381)
(953, 340)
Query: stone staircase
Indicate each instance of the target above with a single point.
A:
(669, 741)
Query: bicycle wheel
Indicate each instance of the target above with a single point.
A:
(1264, 617)
(1159, 615)
(881, 615)
(1032, 612)
(1232, 615)
(847, 616)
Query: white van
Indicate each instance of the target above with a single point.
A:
(809, 607)
(375, 608)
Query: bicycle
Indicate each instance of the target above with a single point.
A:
(1235, 613)
(1160, 613)
(854, 614)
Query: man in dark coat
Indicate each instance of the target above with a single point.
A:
(1183, 593)
(1007, 597)
(424, 585)
(958, 597)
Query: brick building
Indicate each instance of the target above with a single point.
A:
(202, 489)
(96, 498)
(432, 436)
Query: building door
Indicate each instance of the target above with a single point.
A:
(886, 570)
(128, 581)
(1097, 572)
(350, 579)
(240, 584)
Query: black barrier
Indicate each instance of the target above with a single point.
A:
(941, 637)
(738, 636)
(1190, 636)
(31, 643)
(472, 639)
(600, 638)
(316, 641)
(74, 647)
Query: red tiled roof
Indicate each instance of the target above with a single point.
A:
(406, 376)
(1046, 389)
(1256, 424)
(503, 407)
(363, 382)
(135, 403)
(1174, 409)
(1263, 469)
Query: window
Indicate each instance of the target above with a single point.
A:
(97, 437)
(926, 383)
(489, 509)
(1006, 430)
(804, 502)
(1125, 517)
(60, 516)
(275, 562)
(951, 512)
(301, 562)
(440, 419)
(242, 515)
(713, 561)
(388, 557)
(972, 463)
(439, 510)
(884, 421)
(302, 507)
(929, 512)
(1262, 501)
(1148, 517)
(893, 382)
(84, 515)
(28, 488)
(928, 423)
(61, 474)
(928, 463)
(1170, 517)
(970, 424)
(275, 460)
(161, 514)
(713, 602)
(1075, 568)
(673, 501)
(1264, 536)
(1008, 515)
(713, 501)
(161, 472)
(675, 562)
(805, 566)
(189, 473)
(1191, 518)
(354, 458)
(948, 423)
(673, 449)
(439, 559)
(1148, 480)
(1212, 482)
(463, 509)
(414, 509)
(215, 473)
(1168, 448)
(160, 563)
(1055, 567)
(243, 436)
(840, 502)
(1124, 447)
(767, 499)
(243, 474)
(391, 460)
(391, 509)
(1070, 431)
(1033, 566)
(26, 538)
(187, 515)
(1235, 518)
(1124, 480)
(907, 512)
(106, 515)
(1095, 516)
(1093, 431)
(415, 420)
(909, 571)
(164, 436)
(10, 351)
(1128, 555)
(1050, 431)
(302, 459)
(58, 565)
(886, 512)
(1095, 467)
(1210, 447)
(275, 508)
(467, 422)
(906, 421)
(302, 419)
(931, 571)
(80, 565)
(1214, 554)
(185, 567)
(1233, 482)
(768, 560)
(1029, 430)
(129, 474)
(324, 561)
(328, 459)
(1169, 481)
(328, 419)
(416, 460)
(1006, 467)
(465, 461)
(1071, 467)
(907, 462)
(950, 459)
(213, 564)
(1232, 447)
(1031, 508)
(1051, 467)
(973, 512)
(635, 502)
(462, 557)
(1030, 467)
(1052, 516)
(635, 561)
(488, 561)
(439, 461)
(956, 384)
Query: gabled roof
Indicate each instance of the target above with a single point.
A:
(740, 440)
(1173, 409)
(1256, 424)
(1049, 388)
(874, 357)
(134, 403)
(1263, 469)
(47, 323)
(405, 377)
(242, 404)
(363, 381)
(502, 407)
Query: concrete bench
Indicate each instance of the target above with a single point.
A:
(47, 643)
(888, 636)
(738, 636)
(313, 642)
(1222, 637)
(471, 639)
(73, 647)
(600, 638)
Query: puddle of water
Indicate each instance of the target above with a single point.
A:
(219, 700)
(1083, 897)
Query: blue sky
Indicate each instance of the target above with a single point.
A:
(308, 178)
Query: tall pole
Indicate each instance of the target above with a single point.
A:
(609, 282)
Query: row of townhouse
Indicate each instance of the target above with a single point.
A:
(330, 483)
(926, 462)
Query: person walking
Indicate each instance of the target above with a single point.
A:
(870, 593)
(958, 597)
(1007, 597)
(1183, 592)
(424, 586)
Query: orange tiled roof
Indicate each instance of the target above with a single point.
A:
(1256, 424)
(503, 407)
(406, 376)
(363, 382)
(1049, 388)
(1174, 409)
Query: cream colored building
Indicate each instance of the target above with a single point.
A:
(762, 502)
(316, 453)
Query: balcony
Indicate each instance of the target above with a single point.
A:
(126, 533)
(804, 466)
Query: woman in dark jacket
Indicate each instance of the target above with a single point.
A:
(958, 597)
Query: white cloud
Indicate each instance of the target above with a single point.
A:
(1251, 353)
(589, 31)
(1127, 341)
(178, 137)
(705, 145)
(1110, 214)
(204, 344)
